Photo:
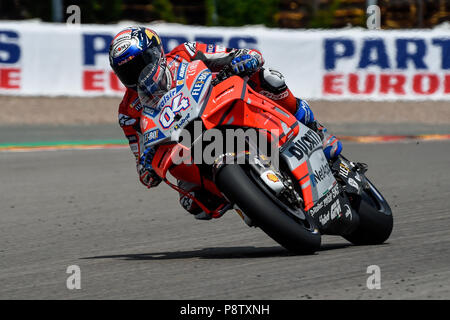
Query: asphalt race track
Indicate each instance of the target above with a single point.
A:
(86, 208)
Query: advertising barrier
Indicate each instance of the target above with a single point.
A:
(357, 64)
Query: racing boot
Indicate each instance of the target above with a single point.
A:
(210, 200)
(332, 147)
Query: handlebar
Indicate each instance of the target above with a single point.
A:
(223, 74)
(226, 73)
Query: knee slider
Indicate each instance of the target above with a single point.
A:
(272, 81)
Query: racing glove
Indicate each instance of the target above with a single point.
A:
(245, 62)
(147, 175)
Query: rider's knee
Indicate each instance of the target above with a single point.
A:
(272, 81)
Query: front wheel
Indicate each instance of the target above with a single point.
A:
(294, 235)
(375, 216)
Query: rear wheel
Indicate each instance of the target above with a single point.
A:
(292, 233)
(375, 215)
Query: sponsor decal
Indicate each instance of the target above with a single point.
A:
(221, 49)
(272, 177)
(125, 34)
(210, 48)
(182, 71)
(136, 104)
(321, 174)
(165, 99)
(186, 202)
(153, 135)
(150, 112)
(192, 68)
(333, 193)
(332, 214)
(167, 117)
(199, 84)
(343, 170)
(121, 47)
(305, 144)
(191, 47)
(182, 121)
(125, 60)
(125, 120)
(353, 183)
(146, 123)
(223, 95)
(180, 76)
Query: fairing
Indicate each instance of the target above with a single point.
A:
(233, 103)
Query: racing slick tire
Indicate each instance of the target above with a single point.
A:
(375, 219)
(233, 181)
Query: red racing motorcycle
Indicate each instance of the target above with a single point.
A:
(296, 198)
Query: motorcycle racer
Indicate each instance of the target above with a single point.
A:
(135, 48)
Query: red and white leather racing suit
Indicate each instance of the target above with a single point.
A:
(265, 81)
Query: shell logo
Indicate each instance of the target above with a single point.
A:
(272, 177)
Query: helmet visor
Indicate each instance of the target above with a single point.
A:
(153, 83)
(129, 70)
